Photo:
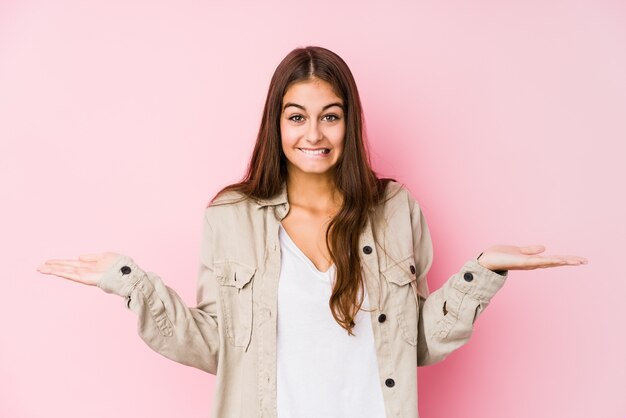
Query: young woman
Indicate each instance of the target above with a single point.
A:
(312, 295)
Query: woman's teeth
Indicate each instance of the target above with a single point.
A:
(315, 151)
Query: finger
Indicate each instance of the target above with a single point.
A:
(59, 262)
(555, 261)
(575, 260)
(571, 259)
(70, 273)
(44, 268)
(548, 260)
(532, 249)
(538, 261)
(56, 268)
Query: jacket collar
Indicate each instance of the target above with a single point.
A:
(278, 199)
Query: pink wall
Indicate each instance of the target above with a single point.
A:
(119, 120)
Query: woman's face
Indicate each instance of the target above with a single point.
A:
(312, 127)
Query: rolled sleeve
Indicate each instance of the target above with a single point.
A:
(121, 277)
(479, 282)
(188, 335)
(447, 315)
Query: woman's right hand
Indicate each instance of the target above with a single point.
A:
(88, 269)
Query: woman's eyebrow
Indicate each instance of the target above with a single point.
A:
(303, 108)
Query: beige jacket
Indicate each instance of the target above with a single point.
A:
(232, 331)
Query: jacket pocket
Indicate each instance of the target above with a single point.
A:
(236, 284)
(402, 297)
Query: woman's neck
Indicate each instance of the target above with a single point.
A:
(314, 192)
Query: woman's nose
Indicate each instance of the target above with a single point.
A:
(314, 133)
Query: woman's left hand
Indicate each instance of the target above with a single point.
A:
(510, 257)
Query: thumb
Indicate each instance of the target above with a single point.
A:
(90, 257)
(532, 249)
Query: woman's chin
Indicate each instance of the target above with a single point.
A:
(312, 169)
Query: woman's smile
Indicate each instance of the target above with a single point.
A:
(317, 152)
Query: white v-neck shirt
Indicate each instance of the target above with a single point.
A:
(321, 370)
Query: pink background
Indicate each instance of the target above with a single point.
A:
(120, 120)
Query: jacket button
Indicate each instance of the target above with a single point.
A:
(382, 317)
(412, 269)
(367, 249)
(389, 383)
(468, 277)
(125, 270)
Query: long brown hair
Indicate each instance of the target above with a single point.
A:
(354, 177)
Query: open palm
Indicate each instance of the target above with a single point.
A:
(511, 257)
(87, 269)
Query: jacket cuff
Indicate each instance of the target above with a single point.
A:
(478, 281)
(121, 277)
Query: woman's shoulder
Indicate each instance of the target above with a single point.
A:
(395, 192)
(233, 203)
(228, 197)
(397, 200)
(227, 206)
(393, 187)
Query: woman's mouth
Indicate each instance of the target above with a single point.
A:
(315, 151)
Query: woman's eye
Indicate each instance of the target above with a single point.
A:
(331, 118)
(296, 118)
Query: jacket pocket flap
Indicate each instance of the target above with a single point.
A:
(232, 273)
(400, 273)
